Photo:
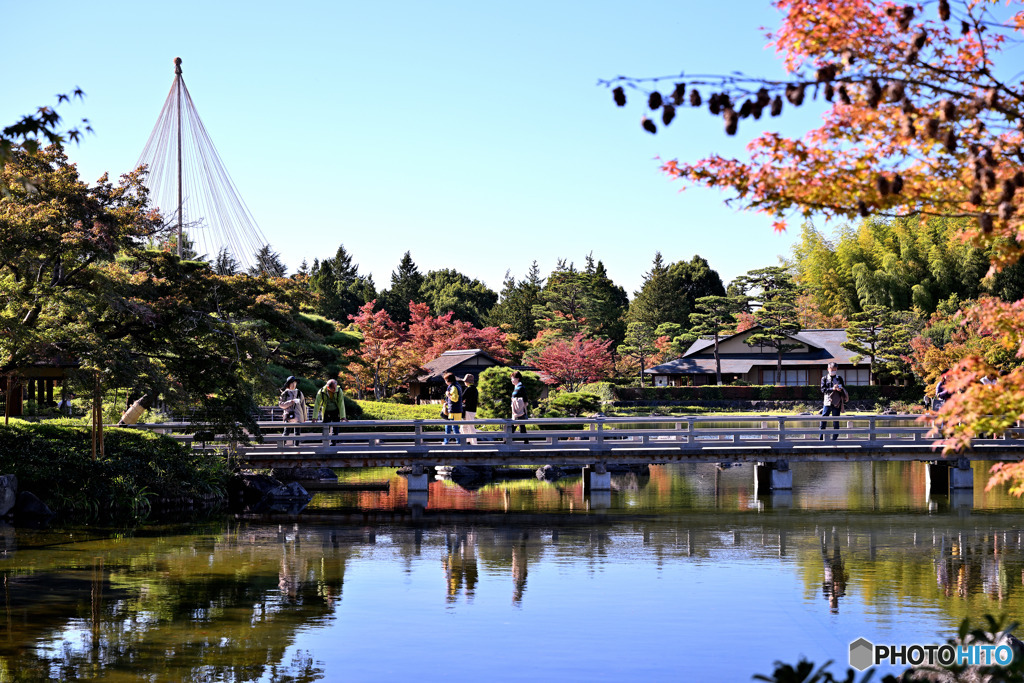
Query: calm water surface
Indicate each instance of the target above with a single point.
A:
(681, 574)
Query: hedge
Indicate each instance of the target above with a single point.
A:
(383, 410)
(711, 392)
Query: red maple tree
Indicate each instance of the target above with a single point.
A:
(574, 362)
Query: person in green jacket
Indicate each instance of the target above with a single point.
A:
(329, 405)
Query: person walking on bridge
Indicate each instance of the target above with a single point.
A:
(329, 405)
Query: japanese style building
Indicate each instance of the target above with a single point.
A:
(430, 384)
(805, 364)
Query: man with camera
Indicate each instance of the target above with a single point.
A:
(833, 388)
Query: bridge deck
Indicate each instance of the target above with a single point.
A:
(591, 440)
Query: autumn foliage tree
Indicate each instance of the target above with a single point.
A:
(920, 119)
(923, 117)
(379, 362)
(429, 336)
(571, 363)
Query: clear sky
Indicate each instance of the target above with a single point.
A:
(470, 133)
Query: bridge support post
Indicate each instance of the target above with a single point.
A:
(961, 476)
(943, 477)
(596, 478)
(772, 476)
(417, 480)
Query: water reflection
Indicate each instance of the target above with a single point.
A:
(834, 582)
(371, 591)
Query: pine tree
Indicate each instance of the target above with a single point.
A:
(605, 306)
(640, 345)
(715, 315)
(268, 263)
(863, 336)
(468, 299)
(653, 303)
(775, 311)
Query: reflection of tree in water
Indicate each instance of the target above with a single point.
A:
(834, 584)
(519, 568)
(228, 605)
(227, 610)
(970, 564)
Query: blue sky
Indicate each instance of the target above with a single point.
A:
(472, 134)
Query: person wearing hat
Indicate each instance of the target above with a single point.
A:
(329, 405)
(293, 403)
(470, 398)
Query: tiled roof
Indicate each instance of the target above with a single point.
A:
(825, 346)
(449, 360)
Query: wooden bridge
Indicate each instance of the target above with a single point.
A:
(773, 441)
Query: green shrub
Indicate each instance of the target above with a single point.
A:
(54, 461)
(606, 391)
(570, 404)
(495, 389)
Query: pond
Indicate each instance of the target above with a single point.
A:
(677, 574)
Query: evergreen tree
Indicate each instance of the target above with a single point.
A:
(639, 344)
(341, 288)
(448, 290)
(863, 336)
(894, 347)
(514, 310)
(588, 302)
(406, 282)
(653, 304)
(605, 306)
(670, 293)
(225, 263)
(561, 305)
(774, 311)
(268, 263)
(714, 316)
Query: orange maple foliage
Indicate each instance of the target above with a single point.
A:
(925, 116)
(920, 121)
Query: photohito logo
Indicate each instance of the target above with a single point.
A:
(864, 653)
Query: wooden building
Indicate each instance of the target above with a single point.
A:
(803, 365)
(429, 385)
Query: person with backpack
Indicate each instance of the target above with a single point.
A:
(452, 405)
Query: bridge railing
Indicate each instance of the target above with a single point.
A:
(595, 433)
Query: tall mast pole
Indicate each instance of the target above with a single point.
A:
(177, 83)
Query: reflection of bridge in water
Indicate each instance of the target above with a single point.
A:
(256, 585)
(771, 442)
(833, 551)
